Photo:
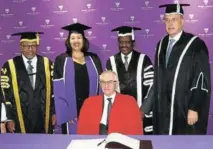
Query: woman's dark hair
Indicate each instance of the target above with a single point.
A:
(69, 48)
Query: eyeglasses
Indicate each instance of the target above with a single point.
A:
(110, 82)
(173, 20)
(125, 42)
(29, 46)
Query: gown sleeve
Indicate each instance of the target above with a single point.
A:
(149, 101)
(7, 90)
(98, 65)
(52, 105)
(148, 76)
(200, 86)
(61, 110)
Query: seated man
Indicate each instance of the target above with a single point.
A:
(111, 112)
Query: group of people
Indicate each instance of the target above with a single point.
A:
(132, 96)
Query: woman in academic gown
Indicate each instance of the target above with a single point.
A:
(76, 75)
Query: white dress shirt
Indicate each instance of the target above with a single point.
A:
(3, 113)
(34, 64)
(104, 114)
(129, 57)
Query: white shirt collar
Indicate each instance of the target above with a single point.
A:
(177, 37)
(112, 96)
(106, 102)
(25, 59)
(129, 57)
(34, 62)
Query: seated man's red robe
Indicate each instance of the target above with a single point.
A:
(125, 116)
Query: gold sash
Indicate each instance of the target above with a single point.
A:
(17, 98)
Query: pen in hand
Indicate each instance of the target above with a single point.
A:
(101, 142)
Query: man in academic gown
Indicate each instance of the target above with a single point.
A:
(134, 69)
(110, 112)
(74, 81)
(26, 82)
(181, 90)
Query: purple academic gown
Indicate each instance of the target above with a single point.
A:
(65, 94)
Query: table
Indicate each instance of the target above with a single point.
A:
(58, 141)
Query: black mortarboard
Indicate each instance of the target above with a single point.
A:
(174, 8)
(28, 36)
(76, 27)
(126, 31)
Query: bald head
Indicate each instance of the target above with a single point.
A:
(107, 74)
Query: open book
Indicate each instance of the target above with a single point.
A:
(113, 140)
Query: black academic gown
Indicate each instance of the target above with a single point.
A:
(184, 84)
(32, 101)
(128, 80)
(81, 78)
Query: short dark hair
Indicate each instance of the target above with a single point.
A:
(132, 41)
(69, 48)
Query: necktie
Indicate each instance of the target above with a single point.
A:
(30, 71)
(109, 108)
(169, 50)
(126, 62)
